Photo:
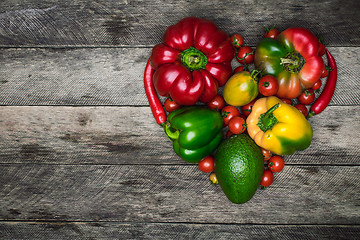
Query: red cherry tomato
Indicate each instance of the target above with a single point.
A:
(268, 85)
(207, 164)
(267, 178)
(240, 69)
(237, 40)
(325, 72)
(286, 100)
(217, 103)
(266, 153)
(316, 85)
(276, 164)
(237, 125)
(271, 33)
(321, 49)
(228, 112)
(170, 105)
(302, 108)
(307, 97)
(246, 109)
(245, 55)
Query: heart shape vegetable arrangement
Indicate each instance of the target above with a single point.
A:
(268, 95)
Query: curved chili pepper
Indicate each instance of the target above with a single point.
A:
(325, 97)
(155, 104)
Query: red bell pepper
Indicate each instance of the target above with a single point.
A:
(192, 61)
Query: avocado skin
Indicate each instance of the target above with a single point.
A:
(239, 165)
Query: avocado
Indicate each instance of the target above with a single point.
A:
(239, 165)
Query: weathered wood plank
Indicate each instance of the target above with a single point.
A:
(124, 23)
(115, 230)
(155, 193)
(111, 76)
(130, 135)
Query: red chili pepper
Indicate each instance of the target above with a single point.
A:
(155, 104)
(325, 97)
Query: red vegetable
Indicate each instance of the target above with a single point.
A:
(192, 61)
(267, 178)
(302, 108)
(207, 164)
(307, 97)
(245, 55)
(155, 104)
(170, 105)
(271, 33)
(276, 164)
(237, 40)
(237, 125)
(325, 97)
(217, 103)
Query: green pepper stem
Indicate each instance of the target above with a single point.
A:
(267, 120)
(193, 59)
(171, 132)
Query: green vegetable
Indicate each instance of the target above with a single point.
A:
(195, 131)
(239, 167)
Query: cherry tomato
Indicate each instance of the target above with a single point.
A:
(276, 164)
(302, 108)
(246, 109)
(316, 85)
(267, 178)
(207, 164)
(271, 33)
(245, 55)
(237, 125)
(325, 72)
(266, 153)
(228, 134)
(307, 97)
(237, 40)
(217, 103)
(240, 69)
(213, 178)
(170, 105)
(268, 85)
(286, 100)
(228, 112)
(321, 48)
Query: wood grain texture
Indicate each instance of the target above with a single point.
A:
(112, 76)
(115, 230)
(149, 193)
(130, 135)
(129, 23)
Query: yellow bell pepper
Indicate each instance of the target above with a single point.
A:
(278, 127)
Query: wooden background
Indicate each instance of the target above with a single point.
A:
(82, 157)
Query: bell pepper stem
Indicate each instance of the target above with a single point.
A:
(171, 132)
(193, 59)
(267, 120)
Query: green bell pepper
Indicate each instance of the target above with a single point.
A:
(195, 131)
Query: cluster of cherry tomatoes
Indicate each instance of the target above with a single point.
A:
(235, 118)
